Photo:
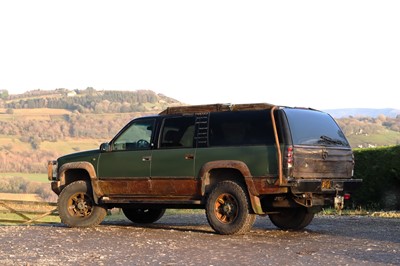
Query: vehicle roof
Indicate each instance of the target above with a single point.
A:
(195, 109)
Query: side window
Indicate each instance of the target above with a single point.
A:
(136, 137)
(241, 128)
(177, 132)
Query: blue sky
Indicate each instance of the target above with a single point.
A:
(321, 54)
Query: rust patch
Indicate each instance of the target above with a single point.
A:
(262, 187)
(195, 109)
(125, 187)
(146, 187)
(50, 169)
(175, 187)
(228, 164)
(76, 165)
(317, 162)
(97, 192)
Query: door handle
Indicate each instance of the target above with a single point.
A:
(146, 158)
(189, 156)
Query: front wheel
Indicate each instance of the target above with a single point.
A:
(292, 219)
(227, 209)
(77, 208)
(143, 216)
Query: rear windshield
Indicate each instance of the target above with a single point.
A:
(310, 127)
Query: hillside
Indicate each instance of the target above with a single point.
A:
(367, 132)
(89, 101)
(38, 126)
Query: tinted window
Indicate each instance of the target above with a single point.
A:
(314, 128)
(177, 132)
(136, 136)
(241, 128)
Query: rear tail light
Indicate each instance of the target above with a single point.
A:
(346, 196)
(289, 157)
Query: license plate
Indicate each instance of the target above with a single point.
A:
(326, 184)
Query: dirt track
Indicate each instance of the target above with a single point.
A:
(188, 240)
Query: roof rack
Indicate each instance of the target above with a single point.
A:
(195, 109)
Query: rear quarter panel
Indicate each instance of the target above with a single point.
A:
(261, 160)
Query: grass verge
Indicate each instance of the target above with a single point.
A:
(40, 177)
(361, 212)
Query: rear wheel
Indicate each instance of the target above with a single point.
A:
(292, 219)
(143, 215)
(227, 209)
(77, 208)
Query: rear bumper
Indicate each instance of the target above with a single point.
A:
(324, 186)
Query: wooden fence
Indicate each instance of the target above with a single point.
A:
(26, 212)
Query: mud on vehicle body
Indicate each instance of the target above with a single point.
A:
(234, 161)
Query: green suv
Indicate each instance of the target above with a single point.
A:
(234, 161)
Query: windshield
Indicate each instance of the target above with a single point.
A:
(310, 127)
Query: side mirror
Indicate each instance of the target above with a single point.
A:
(105, 147)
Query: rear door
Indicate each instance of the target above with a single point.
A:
(172, 166)
(322, 162)
(320, 149)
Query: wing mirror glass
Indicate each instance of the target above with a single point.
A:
(105, 147)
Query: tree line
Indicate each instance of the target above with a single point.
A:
(368, 125)
(87, 101)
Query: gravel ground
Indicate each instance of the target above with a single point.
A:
(187, 239)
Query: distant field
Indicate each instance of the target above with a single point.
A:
(37, 111)
(32, 114)
(386, 138)
(71, 145)
(61, 146)
(14, 142)
(20, 196)
(41, 177)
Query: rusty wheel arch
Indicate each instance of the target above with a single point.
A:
(238, 167)
(67, 174)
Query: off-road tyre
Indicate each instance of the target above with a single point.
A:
(143, 215)
(77, 208)
(292, 219)
(228, 209)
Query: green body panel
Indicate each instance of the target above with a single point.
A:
(124, 164)
(261, 160)
(173, 163)
(90, 156)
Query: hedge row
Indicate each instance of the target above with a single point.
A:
(380, 170)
